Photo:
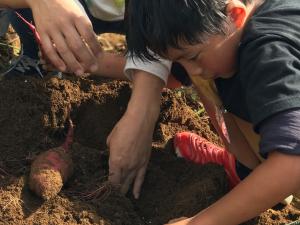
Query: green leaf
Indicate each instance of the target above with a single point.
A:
(119, 3)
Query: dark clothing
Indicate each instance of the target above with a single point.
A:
(268, 79)
(282, 132)
(242, 170)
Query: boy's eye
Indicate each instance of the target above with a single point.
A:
(194, 57)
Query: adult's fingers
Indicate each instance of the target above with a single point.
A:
(51, 53)
(46, 64)
(85, 29)
(66, 54)
(139, 180)
(81, 50)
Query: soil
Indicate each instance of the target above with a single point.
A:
(33, 118)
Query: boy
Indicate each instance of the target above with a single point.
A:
(251, 49)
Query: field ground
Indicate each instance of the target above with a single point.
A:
(32, 119)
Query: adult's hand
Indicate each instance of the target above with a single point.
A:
(130, 140)
(67, 35)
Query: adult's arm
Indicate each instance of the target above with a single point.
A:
(67, 35)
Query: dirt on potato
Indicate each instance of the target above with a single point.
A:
(33, 118)
(49, 171)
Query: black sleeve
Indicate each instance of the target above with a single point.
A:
(270, 76)
(281, 132)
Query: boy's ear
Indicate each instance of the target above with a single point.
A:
(237, 13)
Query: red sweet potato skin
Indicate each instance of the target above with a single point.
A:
(49, 171)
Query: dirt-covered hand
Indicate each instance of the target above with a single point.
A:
(67, 35)
(130, 148)
(130, 140)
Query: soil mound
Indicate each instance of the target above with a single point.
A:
(33, 118)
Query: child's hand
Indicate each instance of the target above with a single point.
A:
(130, 141)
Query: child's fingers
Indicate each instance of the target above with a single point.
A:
(115, 174)
(127, 181)
(139, 181)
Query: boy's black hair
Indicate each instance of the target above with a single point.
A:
(158, 24)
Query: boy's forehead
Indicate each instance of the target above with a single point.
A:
(175, 54)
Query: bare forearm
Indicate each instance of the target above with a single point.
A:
(268, 184)
(146, 94)
(111, 65)
(130, 140)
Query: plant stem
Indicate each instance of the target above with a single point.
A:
(11, 46)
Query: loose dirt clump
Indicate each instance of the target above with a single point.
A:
(34, 117)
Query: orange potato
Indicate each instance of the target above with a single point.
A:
(49, 171)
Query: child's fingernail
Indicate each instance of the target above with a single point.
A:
(94, 67)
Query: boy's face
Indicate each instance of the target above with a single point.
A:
(215, 58)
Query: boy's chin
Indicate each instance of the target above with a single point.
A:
(227, 75)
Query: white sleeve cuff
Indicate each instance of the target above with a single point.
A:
(81, 8)
(159, 68)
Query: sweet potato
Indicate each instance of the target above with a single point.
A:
(51, 169)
